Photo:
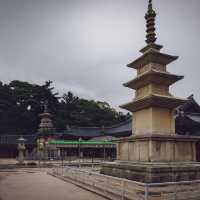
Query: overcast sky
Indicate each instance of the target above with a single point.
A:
(84, 45)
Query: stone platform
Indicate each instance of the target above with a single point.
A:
(153, 172)
(118, 188)
(155, 159)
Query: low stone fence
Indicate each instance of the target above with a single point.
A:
(123, 189)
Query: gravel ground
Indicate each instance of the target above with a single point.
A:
(30, 184)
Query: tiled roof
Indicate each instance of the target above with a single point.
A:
(122, 129)
(12, 139)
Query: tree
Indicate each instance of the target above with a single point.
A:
(19, 113)
(22, 102)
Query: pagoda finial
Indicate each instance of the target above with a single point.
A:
(150, 24)
(150, 5)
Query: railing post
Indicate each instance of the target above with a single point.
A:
(146, 192)
(175, 191)
(123, 189)
(107, 186)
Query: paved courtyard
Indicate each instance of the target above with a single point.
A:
(29, 184)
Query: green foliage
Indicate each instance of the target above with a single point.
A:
(20, 105)
(22, 102)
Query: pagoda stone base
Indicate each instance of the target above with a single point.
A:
(153, 172)
(157, 148)
(155, 159)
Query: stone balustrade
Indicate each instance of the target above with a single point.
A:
(117, 188)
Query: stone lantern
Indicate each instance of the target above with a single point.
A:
(21, 148)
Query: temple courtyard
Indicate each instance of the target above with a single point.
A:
(37, 184)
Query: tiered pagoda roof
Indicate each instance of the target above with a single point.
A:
(160, 101)
(153, 76)
(152, 56)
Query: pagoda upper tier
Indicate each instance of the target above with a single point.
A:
(153, 104)
(153, 80)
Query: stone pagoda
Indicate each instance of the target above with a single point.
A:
(154, 152)
(46, 126)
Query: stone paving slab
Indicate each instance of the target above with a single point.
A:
(38, 185)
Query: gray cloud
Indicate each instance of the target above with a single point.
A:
(84, 45)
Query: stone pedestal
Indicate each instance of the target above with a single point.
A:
(157, 148)
(155, 158)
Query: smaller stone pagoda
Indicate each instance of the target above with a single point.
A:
(46, 126)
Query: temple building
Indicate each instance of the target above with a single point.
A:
(188, 118)
(154, 152)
